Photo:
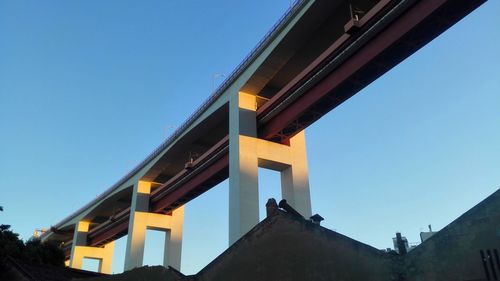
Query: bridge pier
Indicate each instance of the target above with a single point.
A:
(247, 153)
(80, 250)
(141, 220)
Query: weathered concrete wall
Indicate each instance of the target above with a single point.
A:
(285, 248)
(454, 253)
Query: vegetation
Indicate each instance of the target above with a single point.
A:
(33, 251)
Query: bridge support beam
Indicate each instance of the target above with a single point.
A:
(79, 250)
(247, 153)
(141, 220)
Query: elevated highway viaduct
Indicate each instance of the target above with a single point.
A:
(317, 56)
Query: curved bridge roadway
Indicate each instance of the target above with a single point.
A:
(316, 57)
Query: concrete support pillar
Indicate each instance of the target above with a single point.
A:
(247, 153)
(79, 250)
(295, 178)
(243, 167)
(137, 237)
(173, 240)
(141, 220)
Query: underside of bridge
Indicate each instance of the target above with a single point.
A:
(330, 51)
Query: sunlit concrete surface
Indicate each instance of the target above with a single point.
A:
(80, 251)
(141, 220)
(247, 153)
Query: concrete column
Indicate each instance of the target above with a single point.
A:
(79, 239)
(141, 220)
(247, 153)
(173, 240)
(295, 178)
(136, 238)
(243, 167)
(79, 250)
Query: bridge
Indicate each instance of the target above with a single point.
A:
(318, 55)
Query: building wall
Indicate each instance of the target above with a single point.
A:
(454, 253)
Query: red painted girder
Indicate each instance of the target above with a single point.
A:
(163, 189)
(321, 60)
(218, 167)
(161, 199)
(115, 231)
(400, 27)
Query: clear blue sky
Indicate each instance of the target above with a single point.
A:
(89, 88)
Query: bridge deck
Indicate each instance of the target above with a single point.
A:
(316, 58)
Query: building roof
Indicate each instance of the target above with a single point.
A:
(42, 272)
(287, 246)
(144, 273)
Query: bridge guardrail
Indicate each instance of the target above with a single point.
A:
(296, 5)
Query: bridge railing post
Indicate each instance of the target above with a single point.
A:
(247, 153)
(141, 220)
